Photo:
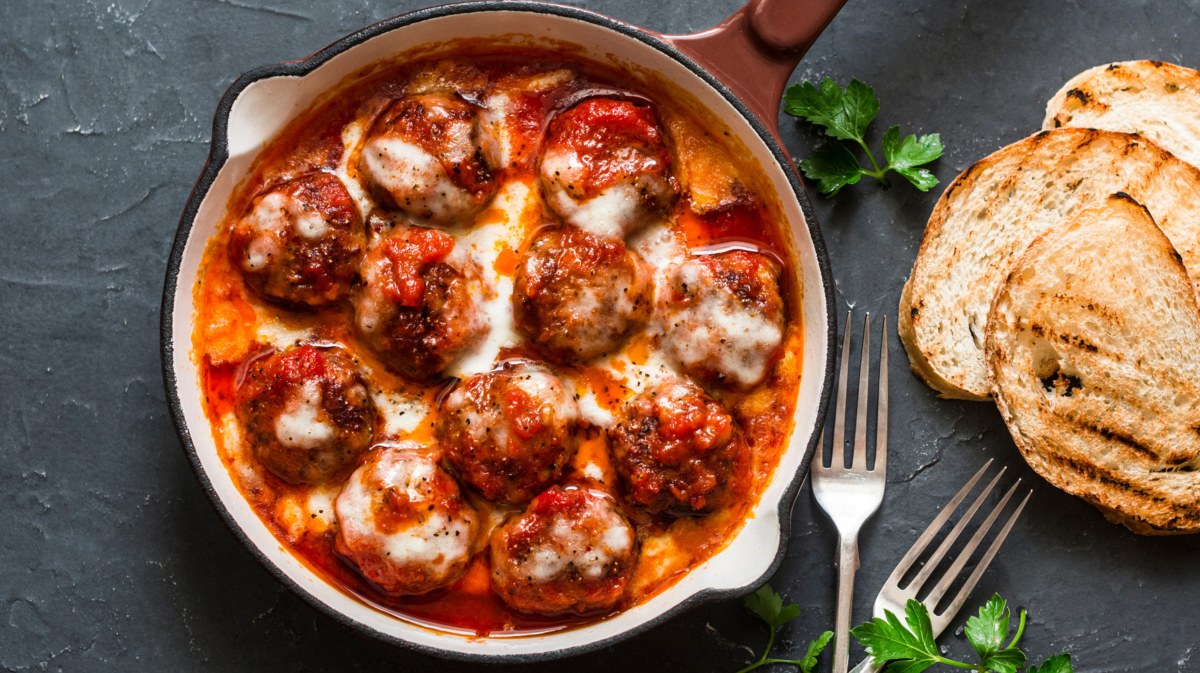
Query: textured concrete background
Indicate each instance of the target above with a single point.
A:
(113, 559)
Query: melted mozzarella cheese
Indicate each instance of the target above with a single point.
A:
(498, 138)
(433, 541)
(319, 507)
(613, 213)
(311, 225)
(414, 178)
(401, 415)
(591, 411)
(637, 377)
(351, 136)
(545, 387)
(592, 471)
(259, 252)
(276, 212)
(718, 331)
(569, 547)
(301, 426)
(664, 250)
(274, 332)
(485, 242)
(609, 214)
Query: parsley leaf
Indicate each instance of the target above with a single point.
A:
(911, 645)
(833, 166)
(908, 646)
(808, 663)
(987, 630)
(1004, 661)
(986, 633)
(907, 155)
(768, 606)
(1059, 663)
(844, 115)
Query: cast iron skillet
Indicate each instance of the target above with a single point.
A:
(737, 70)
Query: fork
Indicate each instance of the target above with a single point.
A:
(893, 596)
(850, 494)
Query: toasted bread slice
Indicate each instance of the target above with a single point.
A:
(1161, 101)
(1093, 347)
(994, 209)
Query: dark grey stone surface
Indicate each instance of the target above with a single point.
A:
(112, 557)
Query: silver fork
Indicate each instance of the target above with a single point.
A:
(850, 494)
(894, 596)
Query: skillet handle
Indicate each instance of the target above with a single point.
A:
(755, 50)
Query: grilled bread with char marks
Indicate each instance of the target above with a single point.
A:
(1161, 101)
(1093, 348)
(991, 212)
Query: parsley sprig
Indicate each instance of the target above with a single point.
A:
(845, 114)
(909, 646)
(768, 605)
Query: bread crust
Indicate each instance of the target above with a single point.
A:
(1092, 370)
(1155, 99)
(993, 209)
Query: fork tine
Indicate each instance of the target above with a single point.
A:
(837, 451)
(944, 547)
(943, 586)
(934, 526)
(986, 560)
(881, 411)
(859, 461)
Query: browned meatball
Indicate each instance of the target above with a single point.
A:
(677, 450)
(606, 167)
(577, 296)
(420, 306)
(403, 523)
(306, 413)
(422, 156)
(300, 243)
(724, 318)
(571, 551)
(509, 432)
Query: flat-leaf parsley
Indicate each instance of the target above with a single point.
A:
(845, 114)
(768, 606)
(909, 646)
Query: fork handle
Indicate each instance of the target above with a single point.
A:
(847, 563)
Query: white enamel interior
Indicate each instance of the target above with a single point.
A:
(264, 107)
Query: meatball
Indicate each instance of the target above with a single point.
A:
(677, 450)
(420, 305)
(300, 243)
(606, 167)
(306, 413)
(513, 114)
(509, 432)
(577, 296)
(422, 157)
(571, 551)
(723, 318)
(403, 523)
